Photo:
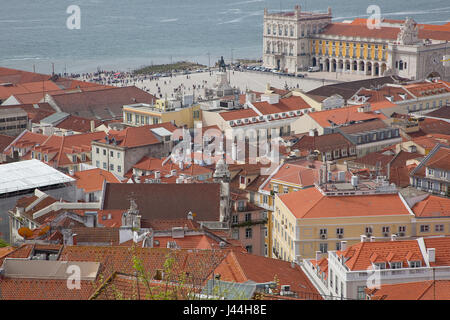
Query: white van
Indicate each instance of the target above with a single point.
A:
(314, 69)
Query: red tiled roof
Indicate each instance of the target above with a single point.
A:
(155, 164)
(323, 143)
(343, 115)
(139, 136)
(5, 141)
(387, 33)
(43, 289)
(292, 103)
(362, 255)
(100, 103)
(242, 267)
(238, 114)
(92, 180)
(440, 160)
(78, 124)
(168, 224)
(424, 290)
(442, 250)
(166, 201)
(15, 76)
(312, 204)
(432, 206)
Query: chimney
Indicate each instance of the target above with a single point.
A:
(363, 238)
(92, 125)
(393, 237)
(431, 254)
(190, 216)
(343, 245)
(157, 174)
(180, 164)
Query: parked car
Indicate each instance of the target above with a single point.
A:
(314, 69)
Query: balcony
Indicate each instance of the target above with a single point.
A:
(248, 223)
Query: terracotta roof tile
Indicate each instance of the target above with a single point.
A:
(166, 201)
(361, 256)
(311, 203)
(424, 290)
(442, 250)
(432, 206)
(92, 180)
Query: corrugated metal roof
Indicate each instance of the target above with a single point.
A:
(162, 132)
(55, 118)
(29, 174)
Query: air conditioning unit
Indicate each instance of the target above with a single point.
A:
(340, 236)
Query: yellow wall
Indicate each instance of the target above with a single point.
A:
(353, 227)
(181, 117)
(432, 226)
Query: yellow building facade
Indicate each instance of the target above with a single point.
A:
(368, 58)
(143, 114)
(310, 226)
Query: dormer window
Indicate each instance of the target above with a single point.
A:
(45, 157)
(74, 158)
(380, 265)
(246, 120)
(291, 114)
(239, 122)
(396, 265)
(231, 123)
(299, 112)
(261, 118)
(254, 119)
(415, 264)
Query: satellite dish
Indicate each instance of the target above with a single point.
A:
(25, 232)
